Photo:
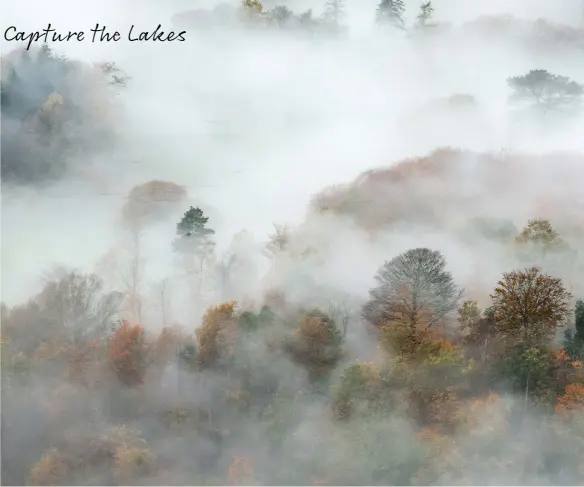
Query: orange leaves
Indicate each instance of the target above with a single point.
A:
(152, 201)
(168, 343)
(529, 305)
(484, 416)
(572, 400)
(443, 408)
(240, 471)
(128, 353)
(217, 336)
(81, 363)
(316, 340)
(51, 469)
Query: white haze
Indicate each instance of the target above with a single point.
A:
(254, 126)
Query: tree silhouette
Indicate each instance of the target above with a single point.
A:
(545, 91)
(391, 12)
(574, 339)
(193, 242)
(413, 288)
(426, 12)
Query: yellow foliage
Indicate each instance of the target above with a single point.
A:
(130, 463)
(51, 469)
(216, 337)
(253, 5)
(52, 100)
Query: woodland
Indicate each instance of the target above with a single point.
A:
(434, 376)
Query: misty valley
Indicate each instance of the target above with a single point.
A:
(294, 249)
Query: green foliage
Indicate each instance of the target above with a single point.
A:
(187, 356)
(574, 339)
(538, 237)
(192, 232)
(248, 321)
(280, 15)
(192, 224)
(361, 390)
(49, 114)
(527, 370)
(546, 92)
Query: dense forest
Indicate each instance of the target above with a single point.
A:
(423, 324)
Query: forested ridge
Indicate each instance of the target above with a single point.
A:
(459, 361)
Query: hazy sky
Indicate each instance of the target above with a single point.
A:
(253, 127)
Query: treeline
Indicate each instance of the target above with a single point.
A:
(54, 109)
(442, 371)
(252, 13)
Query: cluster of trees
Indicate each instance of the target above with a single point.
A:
(445, 365)
(271, 391)
(53, 108)
(389, 13)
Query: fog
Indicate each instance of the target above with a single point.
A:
(297, 117)
(254, 124)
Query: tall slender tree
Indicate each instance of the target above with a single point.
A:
(334, 11)
(193, 242)
(425, 15)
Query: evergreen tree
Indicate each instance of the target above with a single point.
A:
(193, 242)
(334, 11)
(192, 226)
(192, 233)
(391, 12)
(426, 11)
(574, 339)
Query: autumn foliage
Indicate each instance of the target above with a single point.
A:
(152, 201)
(572, 400)
(241, 471)
(529, 305)
(128, 352)
(316, 341)
(217, 336)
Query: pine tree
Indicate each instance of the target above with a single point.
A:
(192, 234)
(391, 12)
(426, 11)
(192, 225)
(334, 11)
(193, 242)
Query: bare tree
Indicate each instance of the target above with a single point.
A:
(279, 241)
(75, 302)
(132, 276)
(414, 288)
(339, 311)
(161, 289)
(224, 269)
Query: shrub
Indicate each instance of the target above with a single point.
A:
(51, 469)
